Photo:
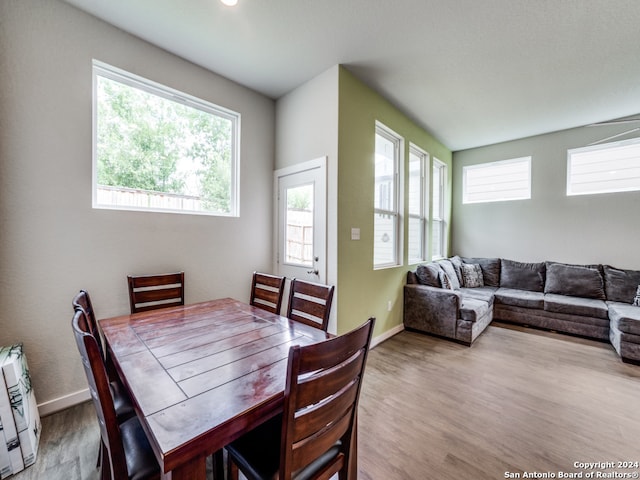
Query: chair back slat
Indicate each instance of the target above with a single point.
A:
(100, 394)
(150, 292)
(321, 400)
(267, 291)
(83, 301)
(306, 423)
(310, 303)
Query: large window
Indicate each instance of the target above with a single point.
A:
(612, 167)
(162, 150)
(438, 221)
(418, 204)
(386, 233)
(497, 181)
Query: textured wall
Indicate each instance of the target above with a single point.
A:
(550, 226)
(52, 243)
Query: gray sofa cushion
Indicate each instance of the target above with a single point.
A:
(589, 307)
(479, 293)
(522, 276)
(520, 298)
(447, 266)
(574, 281)
(621, 285)
(472, 309)
(490, 269)
(428, 274)
(456, 261)
(625, 317)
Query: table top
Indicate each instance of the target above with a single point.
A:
(201, 375)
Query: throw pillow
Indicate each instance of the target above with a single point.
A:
(445, 282)
(456, 261)
(449, 269)
(472, 275)
(636, 301)
(429, 274)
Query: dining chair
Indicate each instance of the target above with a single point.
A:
(310, 303)
(267, 291)
(150, 292)
(121, 400)
(312, 439)
(126, 452)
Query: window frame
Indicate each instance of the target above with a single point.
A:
(440, 216)
(422, 216)
(603, 147)
(101, 69)
(501, 163)
(395, 211)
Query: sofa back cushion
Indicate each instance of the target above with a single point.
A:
(452, 276)
(574, 280)
(621, 285)
(429, 274)
(522, 276)
(490, 269)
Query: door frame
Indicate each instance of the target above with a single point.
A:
(317, 163)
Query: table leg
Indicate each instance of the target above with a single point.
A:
(193, 470)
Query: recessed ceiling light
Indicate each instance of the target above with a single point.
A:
(230, 3)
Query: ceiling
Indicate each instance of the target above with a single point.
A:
(471, 72)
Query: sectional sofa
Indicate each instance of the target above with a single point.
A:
(457, 298)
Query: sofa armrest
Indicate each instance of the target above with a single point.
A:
(431, 309)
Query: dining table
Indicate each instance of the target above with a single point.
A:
(202, 375)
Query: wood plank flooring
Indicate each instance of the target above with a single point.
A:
(515, 401)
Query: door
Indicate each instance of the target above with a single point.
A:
(301, 219)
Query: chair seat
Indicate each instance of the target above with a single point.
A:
(140, 459)
(257, 453)
(121, 402)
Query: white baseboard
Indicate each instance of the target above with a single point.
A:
(57, 404)
(386, 335)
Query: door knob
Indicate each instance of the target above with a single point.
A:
(313, 272)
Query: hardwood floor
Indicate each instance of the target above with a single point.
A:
(432, 409)
(515, 401)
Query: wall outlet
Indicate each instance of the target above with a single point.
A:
(389, 305)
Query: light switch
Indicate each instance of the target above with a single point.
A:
(355, 234)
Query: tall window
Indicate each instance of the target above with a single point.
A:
(611, 167)
(438, 223)
(161, 150)
(497, 181)
(418, 204)
(386, 198)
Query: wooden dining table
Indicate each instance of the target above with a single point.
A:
(201, 375)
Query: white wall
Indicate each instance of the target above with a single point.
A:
(307, 128)
(52, 243)
(550, 226)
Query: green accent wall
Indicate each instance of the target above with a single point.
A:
(363, 291)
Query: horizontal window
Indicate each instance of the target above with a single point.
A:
(497, 181)
(158, 149)
(612, 167)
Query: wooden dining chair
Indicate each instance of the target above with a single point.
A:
(126, 452)
(312, 439)
(267, 291)
(310, 303)
(121, 400)
(149, 292)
